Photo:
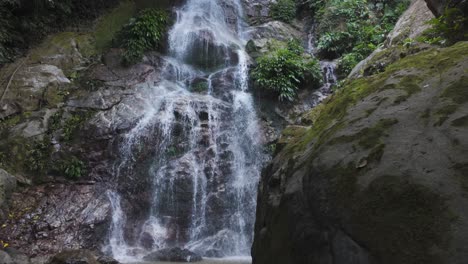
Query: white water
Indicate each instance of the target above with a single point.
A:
(207, 157)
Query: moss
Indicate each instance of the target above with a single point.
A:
(458, 91)
(64, 43)
(200, 87)
(370, 111)
(426, 114)
(462, 168)
(15, 154)
(329, 117)
(401, 222)
(110, 24)
(444, 113)
(73, 123)
(460, 122)
(367, 137)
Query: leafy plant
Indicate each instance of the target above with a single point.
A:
(143, 33)
(38, 156)
(73, 168)
(284, 69)
(450, 27)
(284, 10)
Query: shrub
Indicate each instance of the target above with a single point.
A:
(73, 168)
(450, 27)
(284, 10)
(284, 69)
(143, 33)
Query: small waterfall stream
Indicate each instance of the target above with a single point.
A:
(205, 152)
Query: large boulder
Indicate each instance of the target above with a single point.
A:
(379, 177)
(173, 255)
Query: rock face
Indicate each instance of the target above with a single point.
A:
(56, 217)
(173, 255)
(379, 177)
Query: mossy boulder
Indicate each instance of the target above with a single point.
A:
(66, 50)
(380, 174)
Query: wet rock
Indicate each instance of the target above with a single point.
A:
(57, 217)
(207, 54)
(74, 257)
(106, 260)
(36, 85)
(173, 255)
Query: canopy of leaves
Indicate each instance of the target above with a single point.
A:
(284, 70)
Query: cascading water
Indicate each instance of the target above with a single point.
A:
(205, 156)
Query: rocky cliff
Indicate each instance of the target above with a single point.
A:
(377, 174)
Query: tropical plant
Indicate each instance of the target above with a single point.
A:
(284, 69)
(284, 10)
(143, 33)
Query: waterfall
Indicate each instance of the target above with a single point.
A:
(202, 151)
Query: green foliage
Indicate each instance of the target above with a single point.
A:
(73, 168)
(73, 123)
(352, 29)
(284, 69)
(284, 10)
(38, 156)
(447, 29)
(143, 33)
(200, 87)
(110, 24)
(26, 22)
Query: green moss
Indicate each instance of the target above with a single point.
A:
(370, 111)
(111, 23)
(73, 123)
(401, 222)
(426, 114)
(444, 113)
(200, 87)
(72, 168)
(367, 137)
(458, 91)
(460, 122)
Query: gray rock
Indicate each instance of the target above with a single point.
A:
(7, 186)
(74, 257)
(173, 255)
(17, 256)
(5, 258)
(346, 189)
